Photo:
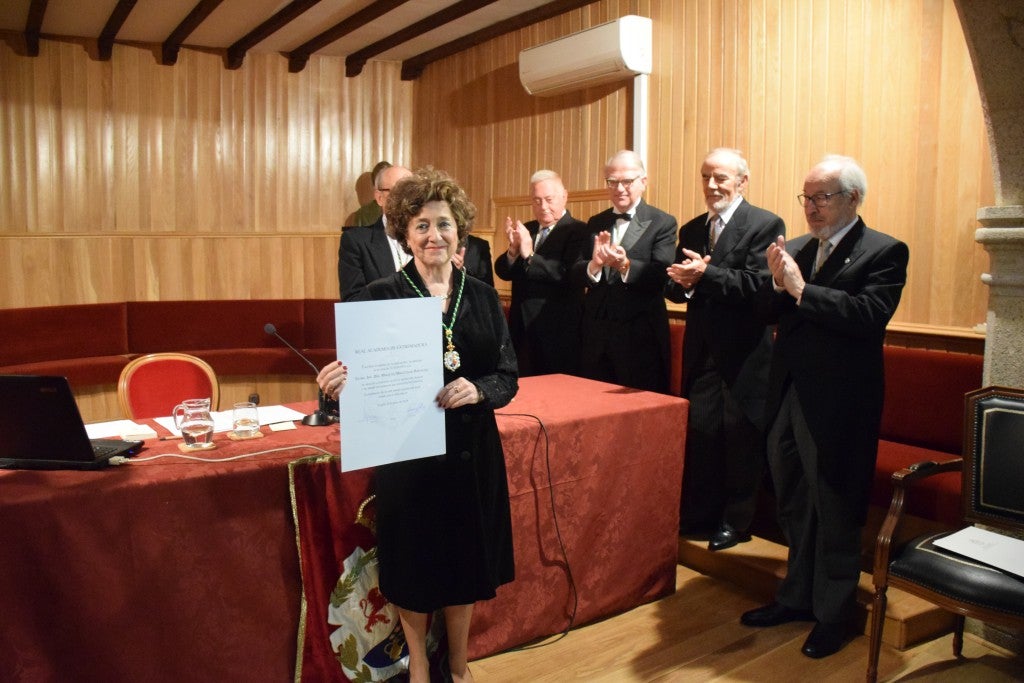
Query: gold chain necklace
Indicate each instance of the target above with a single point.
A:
(452, 361)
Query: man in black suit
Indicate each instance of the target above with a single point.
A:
(832, 293)
(475, 255)
(544, 318)
(625, 323)
(366, 253)
(720, 263)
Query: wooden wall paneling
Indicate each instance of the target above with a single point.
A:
(887, 83)
(129, 150)
(917, 219)
(133, 180)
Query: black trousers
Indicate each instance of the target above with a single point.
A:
(725, 457)
(823, 565)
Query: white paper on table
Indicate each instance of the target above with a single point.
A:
(273, 414)
(393, 352)
(998, 550)
(119, 429)
(223, 420)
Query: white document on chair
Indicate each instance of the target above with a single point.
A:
(393, 352)
(991, 548)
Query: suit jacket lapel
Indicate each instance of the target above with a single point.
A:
(564, 220)
(845, 253)
(731, 235)
(637, 227)
(380, 251)
(805, 258)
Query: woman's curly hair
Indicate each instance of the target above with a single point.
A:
(407, 197)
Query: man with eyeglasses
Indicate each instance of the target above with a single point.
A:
(832, 293)
(369, 212)
(719, 266)
(544, 318)
(625, 323)
(366, 253)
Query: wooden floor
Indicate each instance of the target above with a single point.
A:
(695, 635)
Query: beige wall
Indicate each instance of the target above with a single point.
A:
(130, 180)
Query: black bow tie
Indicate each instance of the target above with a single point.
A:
(624, 216)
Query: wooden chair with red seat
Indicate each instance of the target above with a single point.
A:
(151, 385)
(993, 478)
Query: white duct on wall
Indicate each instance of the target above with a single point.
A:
(615, 51)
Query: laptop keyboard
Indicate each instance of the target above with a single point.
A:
(102, 450)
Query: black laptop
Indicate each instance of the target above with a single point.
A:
(41, 428)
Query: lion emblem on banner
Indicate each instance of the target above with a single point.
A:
(368, 642)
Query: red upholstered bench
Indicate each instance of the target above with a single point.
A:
(923, 420)
(227, 334)
(318, 326)
(86, 343)
(91, 343)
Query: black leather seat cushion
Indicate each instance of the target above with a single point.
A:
(959, 577)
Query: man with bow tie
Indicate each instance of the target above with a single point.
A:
(719, 265)
(625, 322)
(832, 293)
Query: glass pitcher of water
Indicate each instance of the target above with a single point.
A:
(192, 417)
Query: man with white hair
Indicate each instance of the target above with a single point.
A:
(719, 265)
(544, 317)
(832, 293)
(625, 322)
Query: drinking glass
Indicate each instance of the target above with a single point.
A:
(245, 419)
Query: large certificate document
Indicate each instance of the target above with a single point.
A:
(393, 352)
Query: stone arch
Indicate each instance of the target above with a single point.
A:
(994, 31)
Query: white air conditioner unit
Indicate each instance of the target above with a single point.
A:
(610, 52)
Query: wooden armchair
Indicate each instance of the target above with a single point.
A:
(993, 478)
(151, 385)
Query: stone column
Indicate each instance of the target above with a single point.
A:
(994, 30)
(1003, 238)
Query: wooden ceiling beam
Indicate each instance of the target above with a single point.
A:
(355, 62)
(34, 26)
(413, 67)
(298, 57)
(199, 13)
(236, 52)
(105, 43)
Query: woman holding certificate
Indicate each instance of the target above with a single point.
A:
(444, 530)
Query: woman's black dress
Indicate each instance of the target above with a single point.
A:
(444, 528)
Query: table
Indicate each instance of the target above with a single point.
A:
(172, 570)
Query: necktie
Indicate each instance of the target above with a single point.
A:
(716, 229)
(824, 249)
(541, 236)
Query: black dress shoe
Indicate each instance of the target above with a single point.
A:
(775, 614)
(824, 640)
(726, 537)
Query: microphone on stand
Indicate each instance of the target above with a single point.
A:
(322, 416)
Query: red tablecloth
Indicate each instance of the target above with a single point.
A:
(172, 570)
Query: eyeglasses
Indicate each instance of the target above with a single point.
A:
(819, 199)
(626, 183)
